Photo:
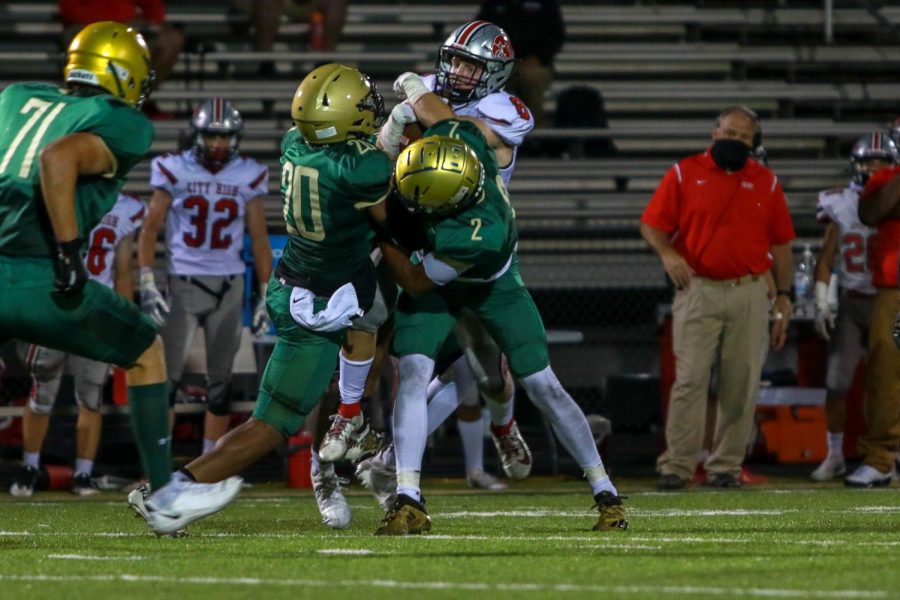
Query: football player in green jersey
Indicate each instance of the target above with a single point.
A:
(332, 180)
(64, 156)
(470, 267)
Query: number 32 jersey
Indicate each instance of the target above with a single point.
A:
(840, 207)
(126, 217)
(205, 222)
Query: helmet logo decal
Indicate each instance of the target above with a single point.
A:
(501, 48)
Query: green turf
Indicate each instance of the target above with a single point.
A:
(534, 541)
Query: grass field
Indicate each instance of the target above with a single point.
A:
(783, 540)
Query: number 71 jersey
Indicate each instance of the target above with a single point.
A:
(205, 222)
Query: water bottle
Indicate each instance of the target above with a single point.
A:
(803, 278)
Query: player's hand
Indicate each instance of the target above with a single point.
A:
(824, 313)
(152, 302)
(409, 86)
(69, 273)
(259, 323)
(782, 311)
(403, 113)
(391, 133)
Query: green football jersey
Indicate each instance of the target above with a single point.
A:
(482, 238)
(35, 114)
(325, 191)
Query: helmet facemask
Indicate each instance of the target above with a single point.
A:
(484, 46)
(874, 146)
(216, 116)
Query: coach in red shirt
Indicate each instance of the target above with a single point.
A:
(879, 205)
(719, 222)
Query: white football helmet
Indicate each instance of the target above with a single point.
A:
(876, 145)
(216, 116)
(483, 44)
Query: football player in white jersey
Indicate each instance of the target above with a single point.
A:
(108, 261)
(474, 64)
(845, 251)
(206, 196)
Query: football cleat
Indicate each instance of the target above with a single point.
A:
(612, 512)
(182, 501)
(83, 485)
(137, 502)
(514, 453)
(339, 437)
(484, 481)
(406, 517)
(833, 466)
(25, 482)
(365, 445)
(330, 499)
(380, 478)
(866, 476)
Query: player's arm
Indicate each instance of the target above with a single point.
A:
(880, 204)
(782, 271)
(124, 278)
(160, 202)
(825, 260)
(259, 240)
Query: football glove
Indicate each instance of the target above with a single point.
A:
(824, 315)
(260, 322)
(152, 302)
(390, 135)
(70, 275)
(409, 86)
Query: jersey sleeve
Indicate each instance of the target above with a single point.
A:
(162, 173)
(663, 211)
(371, 177)
(134, 211)
(259, 184)
(127, 133)
(507, 116)
(825, 207)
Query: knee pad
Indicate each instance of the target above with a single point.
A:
(217, 401)
(374, 317)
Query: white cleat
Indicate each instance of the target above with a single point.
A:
(182, 501)
(833, 466)
(330, 499)
(514, 453)
(137, 499)
(867, 476)
(380, 478)
(340, 435)
(481, 480)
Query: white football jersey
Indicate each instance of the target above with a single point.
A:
(504, 113)
(125, 217)
(839, 206)
(205, 223)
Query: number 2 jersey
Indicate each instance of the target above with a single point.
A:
(126, 217)
(205, 222)
(32, 116)
(840, 206)
(505, 114)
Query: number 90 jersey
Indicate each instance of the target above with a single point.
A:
(840, 207)
(505, 114)
(126, 217)
(205, 223)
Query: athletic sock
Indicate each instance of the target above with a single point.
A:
(442, 401)
(599, 480)
(351, 384)
(501, 412)
(83, 465)
(149, 405)
(471, 434)
(32, 459)
(835, 443)
(408, 484)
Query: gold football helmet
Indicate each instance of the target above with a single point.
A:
(439, 176)
(335, 102)
(111, 56)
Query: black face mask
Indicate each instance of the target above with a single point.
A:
(730, 155)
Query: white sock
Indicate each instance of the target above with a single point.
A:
(442, 401)
(471, 433)
(408, 484)
(83, 465)
(569, 423)
(208, 445)
(352, 378)
(32, 459)
(599, 480)
(501, 412)
(411, 420)
(836, 443)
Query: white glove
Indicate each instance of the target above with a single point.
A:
(824, 315)
(260, 322)
(391, 133)
(152, 302)
(409, 86)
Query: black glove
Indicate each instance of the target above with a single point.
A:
(69, 268)
(406, 228)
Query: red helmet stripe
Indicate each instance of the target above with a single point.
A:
(468, 31)
(217, 110)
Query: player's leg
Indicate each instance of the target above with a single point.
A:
(46, 368)
(222, 327)
(90, 377)
(187, 303)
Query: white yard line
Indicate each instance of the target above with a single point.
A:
(342, 551)
(88, 557)
(451, 586)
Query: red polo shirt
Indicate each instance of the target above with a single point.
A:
(722, 224)
(123, 11)
(884, 246)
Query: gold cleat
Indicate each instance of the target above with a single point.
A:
(612, 513)
(406, 517)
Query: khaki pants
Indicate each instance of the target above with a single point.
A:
(879, 446)
(714, 319)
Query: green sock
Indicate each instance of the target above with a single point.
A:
(149, 406)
